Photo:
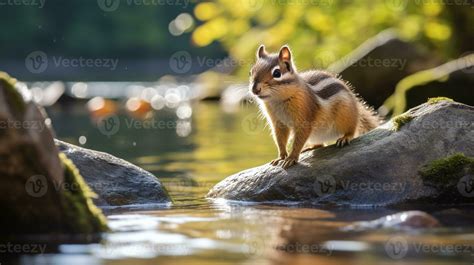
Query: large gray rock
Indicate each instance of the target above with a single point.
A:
(412, 159)
(40, 189)
(115, 181)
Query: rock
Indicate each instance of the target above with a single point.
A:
(375, 67)
(402, 220)
(427, 160)
(40, 190)
(115, 181)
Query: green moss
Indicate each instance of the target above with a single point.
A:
(81, 212)
(447, 171)
(14, 98)
(432, 101)
(400, 120)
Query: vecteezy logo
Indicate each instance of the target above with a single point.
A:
(36, 186)
(181, 62)
(109, 125)
(253, 124)
(254, 5)
(466, 186)
(254, 247)
(396, 5)
(324, 185)
(36, 62)
(396, 247)
(108, 5)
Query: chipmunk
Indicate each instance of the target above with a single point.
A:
(315, 106)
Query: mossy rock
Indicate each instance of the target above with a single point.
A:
(401, 120)
(447, 175)
(41, 192)
(78, 201)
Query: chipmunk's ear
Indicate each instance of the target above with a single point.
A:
(261, 52)
(285, 54)
(285, 57)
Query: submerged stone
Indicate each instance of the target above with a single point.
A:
(115, 181)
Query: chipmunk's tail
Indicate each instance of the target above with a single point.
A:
(368, 118)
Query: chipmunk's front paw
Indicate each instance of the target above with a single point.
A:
(277, 161)
(288, 162)
(343, 141)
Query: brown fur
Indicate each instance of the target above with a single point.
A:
(313, 103)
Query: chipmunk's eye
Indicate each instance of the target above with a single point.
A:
(276, 73)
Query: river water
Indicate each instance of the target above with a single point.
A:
(202, 144)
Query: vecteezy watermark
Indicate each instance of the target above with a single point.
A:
(27, 125)
(324, 185)
(304, 2)
(396, 5)
(184, 185)
(17, 248)
(444, 2)
(37, 62)
(253, 5)
(108, 5)
(301, 248)
(120, 248)
(466, 186)
(396, 247)
(253, 124)
(109, 125)
(33, 3)
(369, 62)
(253, 246)
(36, 186)
(113, 5)
(181, 62)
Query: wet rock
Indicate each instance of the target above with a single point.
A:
(423, 156)
(115, 181)
(40, 190)
(375, 67)
(402, 220)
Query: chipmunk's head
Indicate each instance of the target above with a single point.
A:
(272, 73)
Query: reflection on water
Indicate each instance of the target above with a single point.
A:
(197, 231)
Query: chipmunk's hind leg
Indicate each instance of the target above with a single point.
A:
(344, 140)
(346, 122)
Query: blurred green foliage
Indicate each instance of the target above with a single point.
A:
(321, 31)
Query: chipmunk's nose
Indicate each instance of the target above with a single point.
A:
(256, 89)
